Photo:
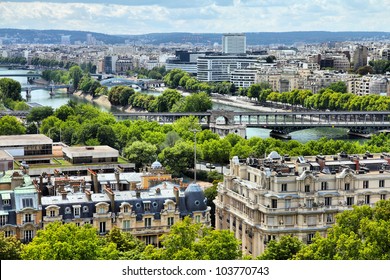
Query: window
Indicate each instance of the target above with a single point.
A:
(77, 224)
(197, 218)
(347, 186)
(284, 187)
(367, 199)
(8, 233)
(52, 213)
(27, 202)
(148, 222)
(28, 235)
(126, 224)
(310, 237)
(102, 210)
(328, 201)
(287, 203)
(365, 184)
(27, 218)
(381, 183)
(383, 197)
(274, 203)
(307, 188)
(309, 203)
(288, 220)
(171, 221)
(102, 227)
(350, 201)
(324, 186)
(76, 211)
(329, 218)
(85, 209)
(3, 220)
(6, 202)
(271, 221)
(147, 206)
(149, 239)
(126, 209)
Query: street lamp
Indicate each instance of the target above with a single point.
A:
(195, 131)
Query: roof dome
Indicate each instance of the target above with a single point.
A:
(193, 187)
(274, 155)
(156, 165)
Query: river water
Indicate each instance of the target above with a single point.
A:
(61, 97)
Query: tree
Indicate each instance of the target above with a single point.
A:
(10, 247)
(167, 99)
(339, 86)
(129, 247)
(364, 70)
(193, 241)
(178, 158)
(75, 73)
(10, 88)
(69, 242)
(37, 114)
(359, 234)
(197, 102)
(141, 153)
(284, 249)
(106, 136)
(10, 125)
(64, 112)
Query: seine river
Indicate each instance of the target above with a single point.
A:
(61, 97)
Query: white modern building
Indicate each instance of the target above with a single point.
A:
(234, 43)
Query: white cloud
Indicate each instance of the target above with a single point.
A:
(137, 17)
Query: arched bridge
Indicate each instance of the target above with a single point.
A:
(281, 123)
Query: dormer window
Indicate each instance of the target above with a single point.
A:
(27, 202)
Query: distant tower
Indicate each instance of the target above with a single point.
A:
(65, 39)
(90, 40)
(360, 57)
(234, 43)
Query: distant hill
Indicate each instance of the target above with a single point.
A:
(30, 36)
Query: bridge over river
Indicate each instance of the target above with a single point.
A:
(280, 123)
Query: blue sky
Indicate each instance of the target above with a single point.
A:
(203, 16)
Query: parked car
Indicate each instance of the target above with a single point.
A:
(209, 165)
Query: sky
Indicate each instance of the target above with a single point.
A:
(203, 16)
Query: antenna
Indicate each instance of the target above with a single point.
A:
(194, 131)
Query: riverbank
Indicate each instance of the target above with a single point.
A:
(102, 100)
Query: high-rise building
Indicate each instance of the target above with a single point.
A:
(65, 39)
(234, 43)
(360, 57)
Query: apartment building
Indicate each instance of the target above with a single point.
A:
(264, 199)
(145, 204)
(369, 84)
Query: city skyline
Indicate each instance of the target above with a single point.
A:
(220, 16)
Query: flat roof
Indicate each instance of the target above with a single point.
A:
(24, 140)
(90, 151)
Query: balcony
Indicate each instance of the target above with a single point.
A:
(32, 221)
(52, 219)
(150, 230)
(101, 215)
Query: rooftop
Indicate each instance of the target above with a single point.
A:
(22, 140)
(94, 151)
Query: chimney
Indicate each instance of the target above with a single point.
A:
(88, 195)
(41, 182)
(133, 186)
(117, 179)
(64, 195)
(357, 165)
(138, 193)
(176, 193)
(110, 194)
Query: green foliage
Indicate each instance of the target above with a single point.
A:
(167, 100)
(119, 95)
(13, 60)
(173, 77)
(194, 241)
(284, 249)
(359, 234)
(129, 247)
(10, 125)
(10, 247)
(10, 88)
(141, 153)
(69, 242)
(340, 87)
(216, 151)
(37, 114)
(197, 102)
(64, 112)
(380, 66)
(178, 158)
(75, 74)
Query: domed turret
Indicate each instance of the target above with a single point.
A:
(156, 165)
(194, 198)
